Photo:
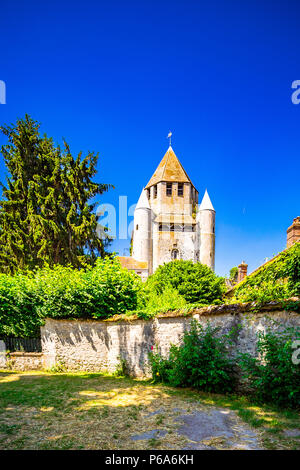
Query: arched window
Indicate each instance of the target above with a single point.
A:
(174, 254)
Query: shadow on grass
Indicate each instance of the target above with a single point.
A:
(67, 400)
(96, 389)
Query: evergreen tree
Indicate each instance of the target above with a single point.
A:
(46, 216)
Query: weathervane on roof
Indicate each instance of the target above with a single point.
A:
(169, 137)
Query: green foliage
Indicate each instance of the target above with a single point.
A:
(273, 376)
(194, 282)
(155, 302)
(114, 289)
(98, 292)
(201, 361)
(45, 213)
(278, 280)
(122, 369)
(65, 292)
(266, 291)
(58, 368)
(160, 366)
(19, 306)
(233, 273)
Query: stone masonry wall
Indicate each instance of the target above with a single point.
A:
(100, 345)
(22, 361)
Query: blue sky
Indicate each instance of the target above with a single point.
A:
(115, 77)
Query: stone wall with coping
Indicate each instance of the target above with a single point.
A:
(100, 345)
(22, 361)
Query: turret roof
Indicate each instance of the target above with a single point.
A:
(206, 203)
(170, 170)
(143, 202)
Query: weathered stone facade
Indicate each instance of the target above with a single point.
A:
(100, 345)
(168, 223)
(22, 361)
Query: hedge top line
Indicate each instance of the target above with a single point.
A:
(291, 305)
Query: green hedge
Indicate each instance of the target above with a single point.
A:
(65, 292)
(195, 282)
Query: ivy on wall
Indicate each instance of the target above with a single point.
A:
(279, 279)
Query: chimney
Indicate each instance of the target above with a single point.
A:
(242, 271)
(293, 232)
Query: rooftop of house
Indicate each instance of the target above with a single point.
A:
(129, 263)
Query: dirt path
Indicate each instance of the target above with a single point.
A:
(205, 428)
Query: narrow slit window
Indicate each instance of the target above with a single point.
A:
(155, 191)
(180, 189)
(169, 189)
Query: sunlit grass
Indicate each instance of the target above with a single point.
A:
(40, 410)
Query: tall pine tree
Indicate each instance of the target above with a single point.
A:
(46, 214)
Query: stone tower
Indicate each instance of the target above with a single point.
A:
(141, 246)
(206, 219)
(168, 224)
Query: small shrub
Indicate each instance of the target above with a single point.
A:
(169, 299)
(201, 361)
(58, 367)
(195, 282)
(122, 369)
(160, 367)
(272, 375)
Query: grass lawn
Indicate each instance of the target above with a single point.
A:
(40, 410)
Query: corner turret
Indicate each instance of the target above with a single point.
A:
(142, 229)
(206, 219)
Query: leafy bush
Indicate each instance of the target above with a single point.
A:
(272, 375)
(19, 306)
(155, 302)
(195, 282)
(278, 280)
(65, 292)
(98, 292)
(114, 289)
(233, 273)
(201, 361)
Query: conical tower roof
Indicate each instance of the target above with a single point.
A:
(143, 202)
(206, 203)
(170, 170)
